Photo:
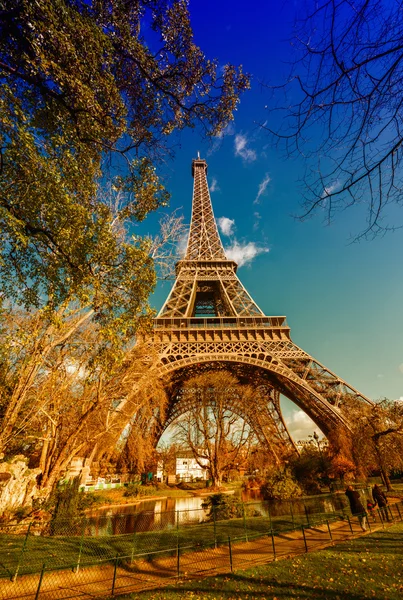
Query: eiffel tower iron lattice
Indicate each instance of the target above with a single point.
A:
(209, 321)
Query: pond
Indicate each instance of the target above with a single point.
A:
(168, 513)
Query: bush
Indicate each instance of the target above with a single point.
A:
(21, 513)
(222, 507)
(281, 486)
(135, 490)
(196, 485)
(92, 499)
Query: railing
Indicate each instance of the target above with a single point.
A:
(221, 323)
(83, 555)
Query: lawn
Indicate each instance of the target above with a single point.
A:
(68, 550)
(367, 567)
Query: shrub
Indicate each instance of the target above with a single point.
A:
(21, 513)
(222, 507)
(135, 490)
(90, 499)
(281, 486)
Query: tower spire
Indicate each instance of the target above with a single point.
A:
(204, 241)
(206, 283)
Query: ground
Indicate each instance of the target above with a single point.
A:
(363, 568)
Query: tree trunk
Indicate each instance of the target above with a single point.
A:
(386, 480)
(384, 472)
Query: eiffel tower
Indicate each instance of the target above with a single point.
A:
(210, 322)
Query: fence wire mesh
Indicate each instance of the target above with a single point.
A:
(108, 555)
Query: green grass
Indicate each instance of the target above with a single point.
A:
(66, 550)
(367, 567)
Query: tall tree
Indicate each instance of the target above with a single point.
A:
(218, 438)
(86, 87)
(343, 111)
(76, 403)
(82, 82)
(378, 438)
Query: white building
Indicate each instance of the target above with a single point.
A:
(188, 469)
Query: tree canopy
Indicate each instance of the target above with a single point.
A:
(343, 110)
(82, 83)
(378, 438)
(91, 94)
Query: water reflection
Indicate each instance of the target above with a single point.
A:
(148, 515)
(169, 513)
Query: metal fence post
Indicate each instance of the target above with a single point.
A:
(230, 554)
(292, 515)
(134, 537)
(133, 544)
(115, 568)
(305, 543)
(244, 522)
(40, 581)
(268, 510)
(178, 559)
(21, 556)
(273, 544)
(215, 526)
(80, 550)
(329, 530)
(307, 515)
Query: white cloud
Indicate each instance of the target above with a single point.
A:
(258, 218)
(214, 185)
(262, 188)
(243, 254)
(226, 225)
(217, 140)
(183, 243)
(242, 150)
(300, 425)
(333, 187)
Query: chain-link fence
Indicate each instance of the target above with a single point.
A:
(106, 555)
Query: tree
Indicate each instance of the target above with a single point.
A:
(81, 82)
(74, 404)
(378, 438)
(311, 469)
(166, 457)
(217, 436)
(87, 88)
(344, 107)
(340, 466)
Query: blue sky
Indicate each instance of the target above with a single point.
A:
(343, 300)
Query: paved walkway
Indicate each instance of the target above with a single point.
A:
(107, 580)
